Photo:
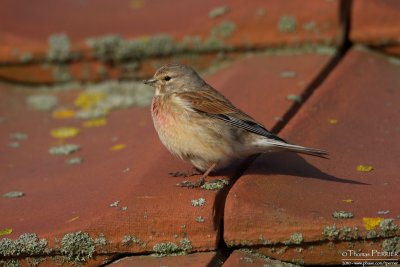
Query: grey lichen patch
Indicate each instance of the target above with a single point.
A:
(26, 245)
(391, 245)
(42, 102)
(342, 214)
(383, 212)
(287, 24)
(296, 238)
(60, 48)
(215, 185)
(35, 261)
(77, 247)
(130, 240)
(115, 204)
(331, 232)
(295, 98)
(388, 227)
(200, 219)
(101, 241)
(288, 74)
(264, 241)
(61, 73)
(223, 30)
(13, 144)
(18, 136)
(64, 149)
(73, 161)
(218, 11)
(13, 194)
(10, 263)
(198, 202)
(298, 261)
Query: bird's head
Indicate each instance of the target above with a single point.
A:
(174, 78)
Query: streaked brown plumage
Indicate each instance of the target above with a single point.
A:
(197, 123)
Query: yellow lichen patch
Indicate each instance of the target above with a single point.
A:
(364, 168)
(117, 147)
(371, 223)
(6, 231)
(95, 123)
(64, 132)
(87, 100)
(63, 114)
(348, 201)
(135, 4)
(333, 121)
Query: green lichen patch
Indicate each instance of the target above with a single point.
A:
(223, 30)
(388, 227)
(186, 245)
(200, 219)
(331, 232)
(391, 245)
(172, 249)
(130, 240)
(344, 233)
(342, 214)
(287, 24)
(78, 247)
(215, 185)
(218, 12)
(64, 149)
(60, 49)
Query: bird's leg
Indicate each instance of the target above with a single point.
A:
(185, 174)
(199, 182)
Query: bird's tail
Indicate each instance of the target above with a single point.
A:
(270, 145)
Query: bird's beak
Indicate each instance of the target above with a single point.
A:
(150, 82)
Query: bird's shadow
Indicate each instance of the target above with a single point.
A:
(282, 163)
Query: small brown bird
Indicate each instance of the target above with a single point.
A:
(198, 124)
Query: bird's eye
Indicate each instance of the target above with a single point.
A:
(167, 78)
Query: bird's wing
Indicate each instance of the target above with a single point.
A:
(211, 103)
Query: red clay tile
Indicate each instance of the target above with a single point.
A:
(289, 200)
(376, 23)
(240, 258)
(58, 38)
(125, 195)
(195, 260)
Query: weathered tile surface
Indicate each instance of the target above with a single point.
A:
(121, 194)
(286, 202)
(240, 258)
(376, 23)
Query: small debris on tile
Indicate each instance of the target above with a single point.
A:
(6, 231)
(64, 149)
(200, 219)
(288, 74)
(63, 114)
(383, 212)
(349, 201)
(73, 161)
(115, 204)
(42, 102)
(18, 136)
(287, 24)
(260, 11)
(14, 194)
(218, 11)
(342, 214)
(64, 132)
(278, 118)
(364, 168)
(126, 170)
(95, 123)
(117, 147)
(73, 219)
(215, 185)
(295, 98)
(198, 202)
(371, 223)
(333, 121)
(13, 144)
